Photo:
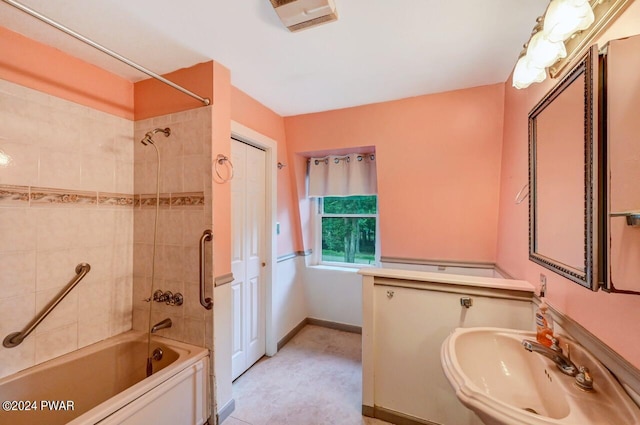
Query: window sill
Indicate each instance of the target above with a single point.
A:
(353, 269)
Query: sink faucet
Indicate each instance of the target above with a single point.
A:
(166, 323)
(565, 365)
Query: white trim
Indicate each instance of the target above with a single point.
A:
(270, 147)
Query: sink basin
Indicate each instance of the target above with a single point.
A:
(499, 380)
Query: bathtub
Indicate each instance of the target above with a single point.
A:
(106, 383)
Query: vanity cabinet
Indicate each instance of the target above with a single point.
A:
(407, 318)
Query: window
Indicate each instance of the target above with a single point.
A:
(349, 228)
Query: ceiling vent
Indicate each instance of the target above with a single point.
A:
(299, 15)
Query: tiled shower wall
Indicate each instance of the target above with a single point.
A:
(185, 212)
(66, 185)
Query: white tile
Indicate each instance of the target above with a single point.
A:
(54, 268)
(94, 298)
(124, 177)
(65, 313)
(56, 342)
(18, 276)
(194, 224)
(144, 177)
(142, 260)
(193, 332)
(59, 228)
(143, 225)
(92, 328)
(17, 229)
(98, 173)
(170, 227)
(123, 145)
(59, 169)
(171, 174)
(121, 302)
(141, 291)
(96, 226)
(194, 173)
(123, 226)
(140, 320)
(123, 260)
(15, 359)
(16, 312)
(22, 166)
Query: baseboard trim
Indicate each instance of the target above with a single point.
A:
(335, 325)
(394, 417)
(226, 411)
(368, 411)
(292, 333)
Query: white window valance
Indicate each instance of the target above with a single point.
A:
(343, 175)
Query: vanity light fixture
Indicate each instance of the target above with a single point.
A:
(565, 29)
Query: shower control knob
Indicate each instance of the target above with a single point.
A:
(158, 296)
(168, 298)
(178, 299)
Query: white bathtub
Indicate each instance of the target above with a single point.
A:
(106, 383)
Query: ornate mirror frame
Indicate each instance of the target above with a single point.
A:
(587, 69)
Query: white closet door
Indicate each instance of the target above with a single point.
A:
(248, 234)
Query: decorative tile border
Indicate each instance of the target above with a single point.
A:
(149, 200)
(14, 195)
(187, 199)
(25, 196)
(49, 196)
(171, 200)
(115, 199)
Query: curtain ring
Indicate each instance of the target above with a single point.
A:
(372, 157)
(220, 160)
(359, 157)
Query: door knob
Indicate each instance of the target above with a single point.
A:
(264, 264)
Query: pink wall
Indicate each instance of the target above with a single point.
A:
(221, 144)
(611, 317)
(43, 68)
(154, 98)
(249, 112)
(438, 162)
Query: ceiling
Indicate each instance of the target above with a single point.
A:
(376, 51)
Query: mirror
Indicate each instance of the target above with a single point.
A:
(622, 174)
(563, 175)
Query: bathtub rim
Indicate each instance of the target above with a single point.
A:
(188, 355)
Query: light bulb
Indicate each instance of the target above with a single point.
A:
(565, 17)
(543, 53)
(525, 73)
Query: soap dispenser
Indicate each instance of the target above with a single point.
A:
(544, 321)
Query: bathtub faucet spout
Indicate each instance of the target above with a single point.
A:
(166, 323)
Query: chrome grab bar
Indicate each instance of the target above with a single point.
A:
(14, 339)
(207, 303)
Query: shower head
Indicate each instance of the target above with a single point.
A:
(148, 137)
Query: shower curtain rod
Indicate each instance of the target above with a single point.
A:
(103, 49)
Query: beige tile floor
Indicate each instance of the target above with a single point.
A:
(316, 379)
